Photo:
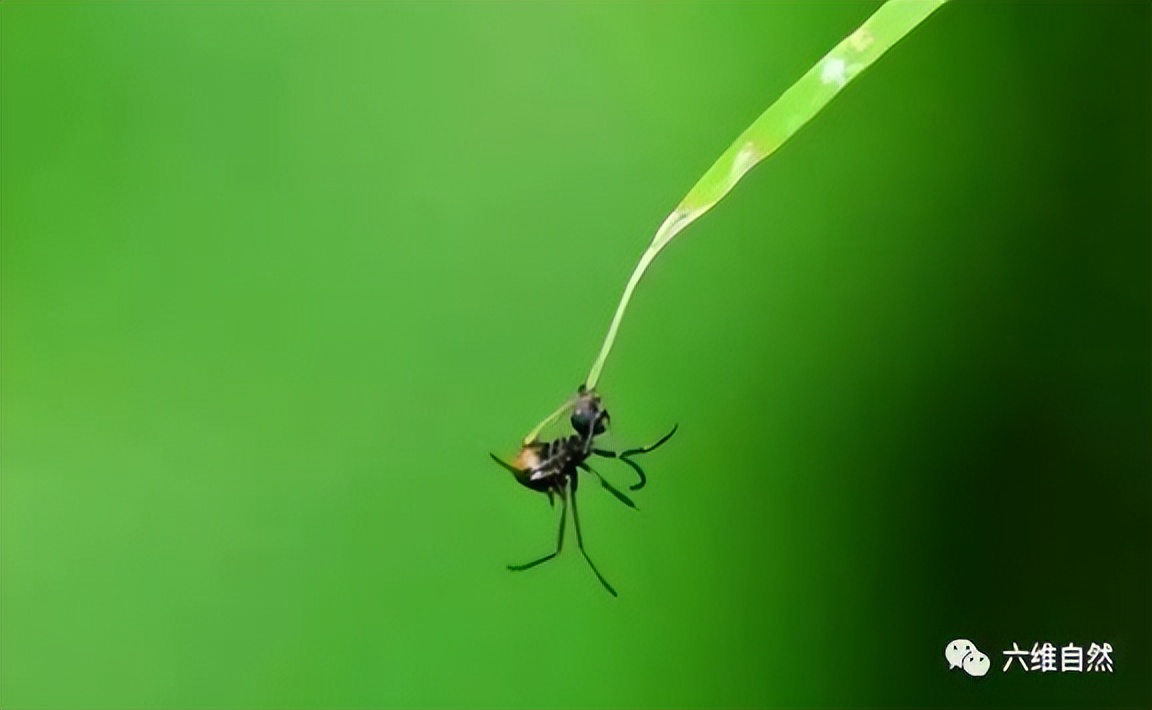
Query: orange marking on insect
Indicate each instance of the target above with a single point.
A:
(528, 458)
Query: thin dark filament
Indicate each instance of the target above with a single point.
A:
(559, 537)
(580, 543)
(625, 456)
(609, 487)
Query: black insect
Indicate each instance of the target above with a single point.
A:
(552, 467)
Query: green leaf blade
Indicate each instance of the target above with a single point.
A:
(787, 115)
(802, 102)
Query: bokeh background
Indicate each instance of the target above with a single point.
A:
(278, 276)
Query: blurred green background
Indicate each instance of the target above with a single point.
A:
(277, 276)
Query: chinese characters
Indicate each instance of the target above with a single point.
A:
(1046, 658)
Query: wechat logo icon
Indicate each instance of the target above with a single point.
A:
(962, 653)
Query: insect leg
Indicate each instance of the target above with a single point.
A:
(609, 487)
(653, 447)
(635, 467)
(559, 537)
(580, 542)
(625, 456)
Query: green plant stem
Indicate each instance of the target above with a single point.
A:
(795, 107)
(535, 433)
